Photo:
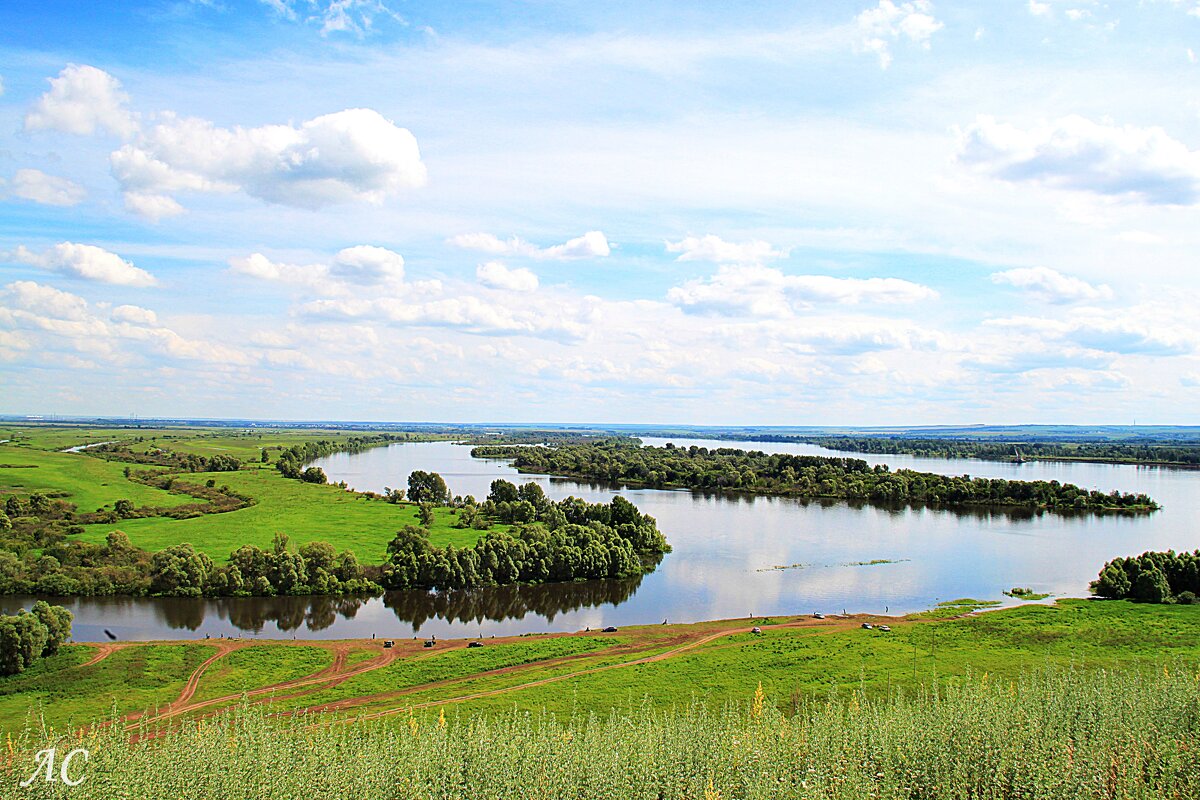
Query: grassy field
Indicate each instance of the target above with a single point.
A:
(32, 461)
(90, 483)
(1046, 734)
(667, 666)
(63, 690)
(304, 511)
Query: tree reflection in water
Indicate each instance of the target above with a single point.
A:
(319, 612)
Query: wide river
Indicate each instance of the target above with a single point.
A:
(734, 556)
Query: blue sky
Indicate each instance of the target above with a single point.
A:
(825, 213)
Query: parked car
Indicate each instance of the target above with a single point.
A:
(756, 629)
(610, 629)
(867, 626)
(475, 644)
(388, 643)
(429, 642)
(885, 629)
(818, 616)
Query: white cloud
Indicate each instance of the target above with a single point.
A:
(84, 261)
(45, 300)
(715, 249)
(1130, 332)
(362, 265)
(767, 292)
(889, 22)
(337, 16)
(1075, 153)
(592, 244)
(35, 185)
(1052, 286)
(135, 315)
(1039, 9)
(83, 100)
(495, 275)
(351, 155)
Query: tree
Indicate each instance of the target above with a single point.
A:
(1113, 583)
(5, 522)
(12, 506)
(123, 508)
(503, 491)
(264, 458)
(425, 510)
(427, 487)
(314, 475)
(38, 504)
(58, 625)
(1151, 586)
(179, 571)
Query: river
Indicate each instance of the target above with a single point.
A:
(728, 550)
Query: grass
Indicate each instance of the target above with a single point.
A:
(1048, 735)
(455, 665)
(89, 483)
(132, 679)
(31, 462)
(261, 665)
(304, 511)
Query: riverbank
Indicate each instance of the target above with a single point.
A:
(794, 658)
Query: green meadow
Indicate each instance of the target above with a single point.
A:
(32, 461)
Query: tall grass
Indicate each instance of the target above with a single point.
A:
(1057, 734)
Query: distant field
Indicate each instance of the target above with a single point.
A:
(304, 511)
(90, 483)
(32, 462)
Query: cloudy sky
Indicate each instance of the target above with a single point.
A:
(862, 212)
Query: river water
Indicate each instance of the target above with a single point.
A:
(728, 550)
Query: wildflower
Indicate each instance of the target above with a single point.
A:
(759, 696)
(442, 718)
(710, 793)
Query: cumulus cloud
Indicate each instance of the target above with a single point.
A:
(1127, 334)
(1143, 164)
(715, 249)
(767, 292)
(52, 318)
(35, 185)
(135, 315)
(592, 244)
(1039, 9)
(890, 22)
(351, 155)
(495, 275)
(84, 261)
(362, 265)
(1051, 286)
(83, 100)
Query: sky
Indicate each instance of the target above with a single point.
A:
(777, 213)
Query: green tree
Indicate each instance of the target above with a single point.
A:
(179, 571)
(425, 510)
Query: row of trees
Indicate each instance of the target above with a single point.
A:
(802, 476)
(30, 635)
(1168, 577)
(564, 541)
(1007, 451)
(68, 568)
(158, 457)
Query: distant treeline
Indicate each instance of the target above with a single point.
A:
(158, 457)
(729, 469)
(292, 459)
(1168, 577)
(1175, 454)
(564, 541)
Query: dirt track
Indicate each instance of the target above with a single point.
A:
(680, 639)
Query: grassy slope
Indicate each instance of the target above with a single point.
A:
(262, 665)
(132, 679)
(790, 663)
(802, 663)
(89, 482)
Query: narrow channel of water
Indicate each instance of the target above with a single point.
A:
(734, 556)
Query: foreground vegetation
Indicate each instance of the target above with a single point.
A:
(730, 469)
(1053, 735)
